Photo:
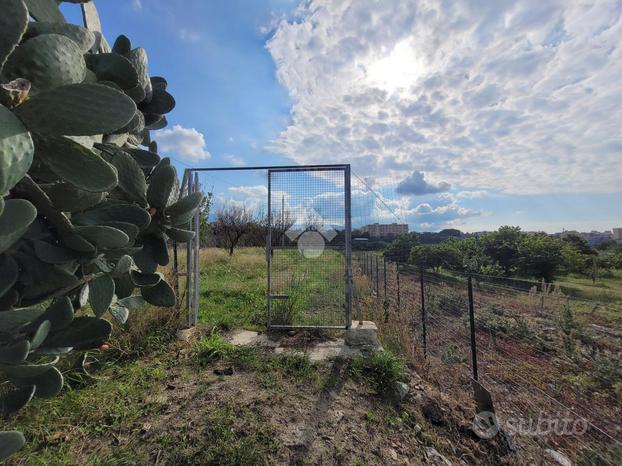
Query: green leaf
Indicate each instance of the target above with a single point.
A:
(15, 400)
(123, 286)
(10, 442)
(15, 319)
(81, 36)
(45, 10)
(13, 22)
(182, 236)
(144, 158)
(113, 67)
(14, 352)
(78, 109)
(182, 211)
(123, 266)
(40, 281)
(40, 335)
(120, 313)
(59, 314)
(52, 254)
(47, 61)
(103, 236)
(133, 303)
(159, 295)
(9, 274)
(160, 185)
(122, 45)
(68, 198)
(161, 102)
(138, 58)
(16, 150)
(49, 383)
(131, 178)
(84, 333)
(101, 294)
(129, 229)
(76, 164)
(144, 279)
(17, 216)
(110, 211)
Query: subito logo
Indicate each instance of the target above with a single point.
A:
(311, 234)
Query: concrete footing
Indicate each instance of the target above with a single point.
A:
(363, 336)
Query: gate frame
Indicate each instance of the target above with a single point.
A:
(190, 184)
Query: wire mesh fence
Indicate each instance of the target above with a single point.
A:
(299, 215)
(550, 362)
(308, 241)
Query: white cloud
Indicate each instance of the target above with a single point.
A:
(416, 184)
(517, 97)
(187, 143)
(188, 35)
(234, 160)
(137, 5)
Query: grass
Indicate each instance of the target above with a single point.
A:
(110, 406)
(607, 288)
(381, 371)
(233, 288)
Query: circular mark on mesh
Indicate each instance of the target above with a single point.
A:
(311, 244)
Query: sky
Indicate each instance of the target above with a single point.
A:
(466, 114)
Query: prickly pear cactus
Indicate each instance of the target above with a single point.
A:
(85, 212)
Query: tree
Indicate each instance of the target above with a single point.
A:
(399, 249)
(205, 228)
(502, 247)
(436, 256)
(581, 245)
(232, 223)
(540, 256)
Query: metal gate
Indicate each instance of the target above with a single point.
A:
(308, 247)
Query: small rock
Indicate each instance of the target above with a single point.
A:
(417, 429)
(401, 390)
(558, 457)
(432, 410)
(392, 454)
(435, 458)
(225, 371)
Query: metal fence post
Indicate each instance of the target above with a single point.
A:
(472, 325)
(197, 255)
(348, 238)
(397, 268)
(377, 278)
(189, 266)
(423, 319)
(384, 272)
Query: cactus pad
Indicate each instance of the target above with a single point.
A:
(113, 67)
(78, 109)
(16, 150)
(76, 164)
(13, 22)
(81, 36)
(47, 61)
(17, 216)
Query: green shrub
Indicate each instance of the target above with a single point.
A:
(381, 371)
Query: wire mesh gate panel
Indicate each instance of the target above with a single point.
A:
(309, 250)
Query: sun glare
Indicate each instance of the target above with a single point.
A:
(398, 70)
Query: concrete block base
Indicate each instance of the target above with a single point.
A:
(364, 336)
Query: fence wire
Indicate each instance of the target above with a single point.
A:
(550, 362)
(307, 248)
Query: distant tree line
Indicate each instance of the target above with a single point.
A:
(507, 252)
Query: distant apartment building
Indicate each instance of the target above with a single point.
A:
(384, 230)
(593, 237)
(617, 234)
